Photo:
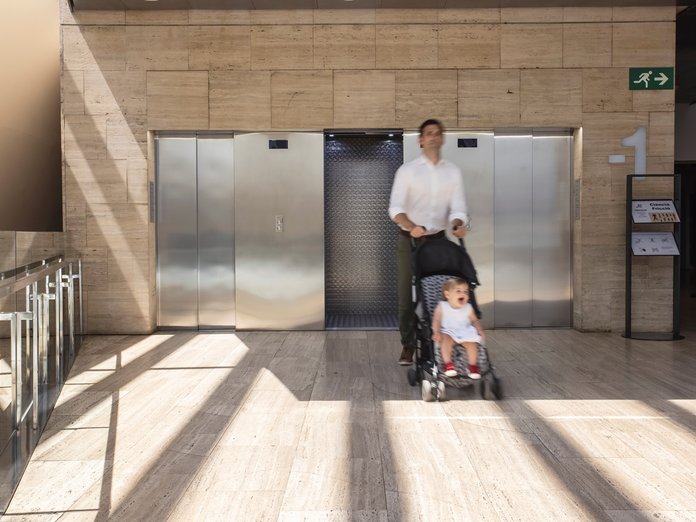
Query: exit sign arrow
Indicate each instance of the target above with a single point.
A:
(662, 78)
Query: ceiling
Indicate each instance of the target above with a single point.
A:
(359, 4)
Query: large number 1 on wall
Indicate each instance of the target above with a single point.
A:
(638, 140)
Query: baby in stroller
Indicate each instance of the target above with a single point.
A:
(435, 263)
(455, 323)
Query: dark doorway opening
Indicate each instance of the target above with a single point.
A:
(688, 246)
(360, 239)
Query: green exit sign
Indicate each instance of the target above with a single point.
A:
(650, 78)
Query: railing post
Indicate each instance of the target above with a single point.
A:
(70, 285)
(16, 347)
(79, 278)
(57, 295)
(35, 352)
(45, 336)
(30, 325)
(14, 366)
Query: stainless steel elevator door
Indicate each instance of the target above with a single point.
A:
(551, 230)
(195, 231)
(513, 230)
(216, 304)
(279, 216)
(473, 153)
(177, 256)
(533, 262)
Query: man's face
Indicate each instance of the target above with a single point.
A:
(432, 138)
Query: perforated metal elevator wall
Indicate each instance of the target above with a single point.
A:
(360, 239)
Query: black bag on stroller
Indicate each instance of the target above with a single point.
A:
(433, 262)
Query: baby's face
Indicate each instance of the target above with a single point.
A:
(457, 296)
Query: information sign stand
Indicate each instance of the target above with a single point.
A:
(647, 243)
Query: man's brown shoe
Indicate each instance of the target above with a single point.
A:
(406, 358)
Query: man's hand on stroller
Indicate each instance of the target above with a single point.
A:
(417, 231)
(458, 228)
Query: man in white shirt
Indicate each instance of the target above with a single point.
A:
(427, 196)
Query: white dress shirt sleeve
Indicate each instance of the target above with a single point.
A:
(399, 193)
(458, 208)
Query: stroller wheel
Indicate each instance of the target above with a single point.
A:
(412, 377)
(427, 390)
(491, 388)
(441, 391)
(498, 388)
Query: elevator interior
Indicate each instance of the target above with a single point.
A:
(283, 231)
(360, 240)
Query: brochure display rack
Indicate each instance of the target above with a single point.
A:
(641, 241)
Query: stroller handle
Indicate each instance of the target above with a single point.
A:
(460, 240)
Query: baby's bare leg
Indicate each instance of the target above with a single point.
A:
(446, 346)
(472, 353)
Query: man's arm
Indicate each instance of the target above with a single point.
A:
(408, 225)
(397, 205)
(458, 210)
(403, 221)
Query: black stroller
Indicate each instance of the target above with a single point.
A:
(434, 262)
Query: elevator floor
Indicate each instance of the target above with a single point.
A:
(362, 322)
(289, 426)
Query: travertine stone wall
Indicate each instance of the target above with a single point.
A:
(126, 73)
(18, 249)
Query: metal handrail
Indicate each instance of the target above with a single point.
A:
(25, 269)
(15, 285)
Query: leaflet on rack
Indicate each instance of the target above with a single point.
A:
(653, 244)
(654, 211)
